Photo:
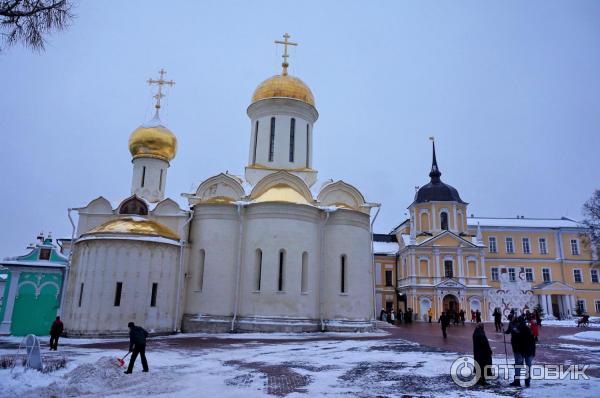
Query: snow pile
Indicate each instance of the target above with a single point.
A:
(583, 336)
(594, 322)
(87, 378)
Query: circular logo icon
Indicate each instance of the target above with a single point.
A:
(465, 372)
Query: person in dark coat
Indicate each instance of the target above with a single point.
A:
(462, 316)
(444, 321)
(137, 345)
(482, 353)
(498, 320)
(478, 316)
(523, 346)
(55, 331)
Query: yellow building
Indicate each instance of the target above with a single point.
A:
(447, 261)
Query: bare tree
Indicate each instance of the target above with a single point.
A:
(29, 21)
(591, 213)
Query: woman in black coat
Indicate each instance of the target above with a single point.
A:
(482, 353)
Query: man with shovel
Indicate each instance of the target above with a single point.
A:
(137, 345)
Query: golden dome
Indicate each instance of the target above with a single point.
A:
(284, 86)
(134, 226)
(153, 140)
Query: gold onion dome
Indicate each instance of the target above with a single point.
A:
(153, 140)
(284, 86)
(134, 226)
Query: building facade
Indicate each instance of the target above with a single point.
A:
(269, 251)
(448, 261)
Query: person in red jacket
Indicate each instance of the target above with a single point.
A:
(55, 331)
(535, 329)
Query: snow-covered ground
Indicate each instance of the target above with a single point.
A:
(332, 367)
(594, 322)
(584, 336)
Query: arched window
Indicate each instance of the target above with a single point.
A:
(343, 274)
(143, 176)
(307, 146)
(201, 260)
(257, 269)
(444, 220)
(304, 275)
(133, 205)
(255, 143)
(280, 277)
(160, 180)
(292, 138)
(272, 140)
(424, 221)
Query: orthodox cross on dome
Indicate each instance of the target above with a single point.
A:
(160, 83)
(285, 55)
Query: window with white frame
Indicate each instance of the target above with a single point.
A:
(574, 247)
(581, 305)
(525, 243)
(529, 274)
(597, 305)
(509, 245)
(492, 244)
(543, 248)
(546, 275)
(577, 276)
(495, 275)
(512, 274)
(594, 275)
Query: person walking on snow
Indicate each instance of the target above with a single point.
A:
(523, 346)
(482, 353)
(55, 331)
(137, 345)
(444, 321)
(498, 320)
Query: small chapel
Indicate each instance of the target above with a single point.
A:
(272, 250)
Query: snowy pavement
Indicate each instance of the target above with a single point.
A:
(279, 365)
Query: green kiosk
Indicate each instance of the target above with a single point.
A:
(31, 288)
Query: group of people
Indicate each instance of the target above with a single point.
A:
(523, 338)
(395, 318)
(137, 342)
(449, 317)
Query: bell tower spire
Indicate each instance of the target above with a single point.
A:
(435, 172)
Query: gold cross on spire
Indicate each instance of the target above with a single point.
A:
(160, 83)
(285, 55)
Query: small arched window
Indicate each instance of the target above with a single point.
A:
(255, 143)
(292, 138)
(343, 274)
(201, 261)
(280, 277)
(134, 205)
(272, 140)
(304, 273)
(444, 220)
(257, 269)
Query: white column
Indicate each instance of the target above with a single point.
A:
(573, 301)
(10, 302)
(436, 252)
(433, 226)
(561, 307)
(542, 300)
(412, 268)
(482, 262)
(454, 214)
(549, 305)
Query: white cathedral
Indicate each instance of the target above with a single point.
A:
(273, 251)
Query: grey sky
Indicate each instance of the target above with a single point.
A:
(510, 89)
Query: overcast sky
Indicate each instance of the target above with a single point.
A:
(510, 90)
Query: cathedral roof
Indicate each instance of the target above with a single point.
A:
(284, 86)
(134, 225)
(437, 190)
(153, 140)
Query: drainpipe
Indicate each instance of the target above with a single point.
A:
(182, 243)
(373, 270)
(239, 265)
(68, 267)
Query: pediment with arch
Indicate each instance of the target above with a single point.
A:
(100, 205)
(341, 194)
(167, 207)
(282, 187)
(447, 239)
(222, 188)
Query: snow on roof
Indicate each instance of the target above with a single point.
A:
(385, 247)
(523, 222)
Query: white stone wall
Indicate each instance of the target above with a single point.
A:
(214, 228)
(347, 233)
(99, 264)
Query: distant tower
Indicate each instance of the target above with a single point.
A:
(282, 114)
(152, 146)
